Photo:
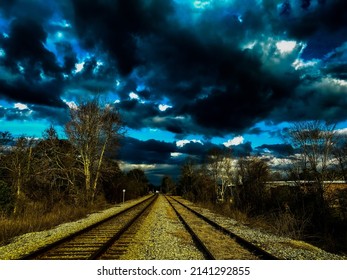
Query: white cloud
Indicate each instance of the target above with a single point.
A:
(342, 131)
(181, 143)
(59, 35)
(164, 107)
(340, 82)
(234, 142)
(176, 154)
(286, 46)
(201, 4)
(79, 67)
(179, 117)
(20, 68)
(129, 166)
(133, 95)
(300, 64)
(63, 23)
(249, 45)
(20, 106)
(71, 104)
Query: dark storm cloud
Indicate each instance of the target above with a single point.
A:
(145, 152)
(336, 66)
(25, 46)
(305, 4)
(137, 115)
(329, 15)
(242, 150)
(255, 130)
(215, 83)
(280, 150)
(39, 10)
(193, 149)
(69, 56)
(114, 26)
(95, 78)
(156, 175)
(204, 77)
(338, 71)
(136, 151)
(54, 115)
(21, 90)
(32, 73)
(324, 99)
(11, 114)
(197, 60)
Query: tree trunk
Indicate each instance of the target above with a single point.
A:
(18, 188)
(97, 175)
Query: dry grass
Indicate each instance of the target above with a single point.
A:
(281, 223)
(35, 218)
(289, 225)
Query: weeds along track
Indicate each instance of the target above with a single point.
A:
(107, 239)
(215, 241)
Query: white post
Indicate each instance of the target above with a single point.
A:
(123, 195)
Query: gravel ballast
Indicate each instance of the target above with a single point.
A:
(282, 247)
(162, 236)
(29, 242)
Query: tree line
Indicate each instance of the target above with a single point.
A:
(308, 204)
(78, 170)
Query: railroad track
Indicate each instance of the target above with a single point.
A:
(107, 239)
(111, 238)
(215, 241)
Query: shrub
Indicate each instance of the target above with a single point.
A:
(6, 198)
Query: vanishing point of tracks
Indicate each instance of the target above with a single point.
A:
(111, 238)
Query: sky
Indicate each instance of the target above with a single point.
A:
(186, 76)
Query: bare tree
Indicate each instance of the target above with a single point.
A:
(168, 185)
(220, 166)
(340, 154)
(93, 130)
(186, 179)
(137, 183)
(315, 141)
(252, 174)
(19, 165)
(58, 166)
(5, 138)
(195, 182)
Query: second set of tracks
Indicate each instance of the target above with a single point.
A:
(215, 241)
(107, 239)
(111, 238)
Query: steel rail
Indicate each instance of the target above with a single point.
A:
(199, 243)
(46, 248)
(261, 253)
(120, 232)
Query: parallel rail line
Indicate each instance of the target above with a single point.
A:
(111, 237)
(97, 241)
(254, 249)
